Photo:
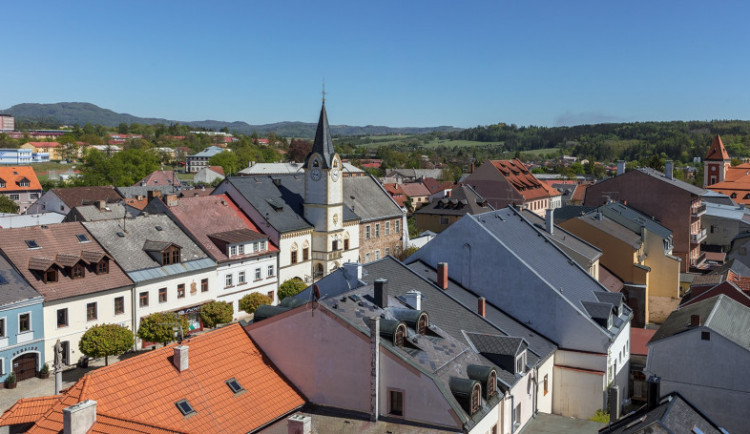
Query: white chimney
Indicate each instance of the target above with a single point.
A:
(181, 357)
(299, 424)
(669, 169)
(550, 220)
(620, 167)
(414, 299)
(79, 418)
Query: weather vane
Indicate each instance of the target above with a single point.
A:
(324, 90)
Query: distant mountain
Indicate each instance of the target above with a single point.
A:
(81, 113)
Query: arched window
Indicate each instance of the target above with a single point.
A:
(398, 337)
(293, 251)
(346, 240)
(319, 270)
(492, 384)
(422, 323)
(476, 398)
(305, 251)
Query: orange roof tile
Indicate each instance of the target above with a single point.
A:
(579, 194)
(518, 175)
(43, 144)
(145, 388)
(717, 151)
(13, 175)
(28, 410)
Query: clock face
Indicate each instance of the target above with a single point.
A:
(335, 174)
(315, 174)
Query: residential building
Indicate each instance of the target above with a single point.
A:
(7, 122)
(413, 370)
(62, 200)
(216, 382)
(504, 258)
(16, 156)
(20, 184)
(728, 288)
(159, 178)
(53, 149)
(401, 176)
(98, 211)
(674, 204)
(208, 175)
(22, 220)
(638, 251)
(397, 193)
(170, 271)
(443, 212)
(194, 163)
(21, 325)
(416, 194)
(509, 182)
(438, 189)
(81, 283)
(723, 223)
(246, 261)
(700, 351)
(639, 338)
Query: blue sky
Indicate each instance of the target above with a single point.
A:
(400, 63)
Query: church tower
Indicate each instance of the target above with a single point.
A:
(716, 163)
(324, 198)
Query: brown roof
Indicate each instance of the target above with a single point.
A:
(579, 194)
(415, 189)
(717, 151)
(237, 236)
(147, 387)
(435, 186)
(638, 339)
(159, 177)
(74, 196)
(518, 175)
(58, 241)
(217, 169)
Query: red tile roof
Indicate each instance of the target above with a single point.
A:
(13, 175)
(518, 175)
(145, 388)
(55, 244)
(396, 193)
(159, 177)
(717, 151)
(28, 410)
(205, 215)
(638, 339)
(43, 144)
(415, 189)
(217, 169)
(435, 186)
(579, 194)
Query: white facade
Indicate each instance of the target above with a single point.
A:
(68, 319)
(239, 278)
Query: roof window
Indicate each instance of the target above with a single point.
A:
(185, 408)
(3, 281)
(82, 238)
(159, 228)
(121, 234)
(234, 385)
(32, 244)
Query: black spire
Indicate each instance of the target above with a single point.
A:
(323, 144)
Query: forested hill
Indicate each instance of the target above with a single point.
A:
(70, 113)
(631, 141)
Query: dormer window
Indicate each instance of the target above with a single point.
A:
(476, 398)
(102, 267)
(233, 251)
(399, 336)
(24, 183)
(78, 271)
(241, 249)
(50, 275)
(2, 183)
(521, 363)
(422, 323)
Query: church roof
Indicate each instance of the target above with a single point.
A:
(323, 143)
(717, 151)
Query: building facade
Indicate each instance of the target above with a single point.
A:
(20, 184)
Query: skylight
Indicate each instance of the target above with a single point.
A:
(234, 385)
(159, 228)
(82, 238)
(185, 407)
(121, 234)
(32, 244)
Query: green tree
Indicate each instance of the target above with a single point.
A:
(216, 312)
(291, 288)
(250, 302)
(407, 252)
(227, 160)
(124, 168)
(106, 340)
(7, 205)
(158, 327)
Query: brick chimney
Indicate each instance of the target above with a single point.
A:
(101, 204)
(180, 358)
(79, 418)
(152, 194)
(481, 306)
(442, 275)
(695, 320)
(171, 200)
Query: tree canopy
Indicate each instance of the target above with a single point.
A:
(250, 302)
(158, 327)
(291, 288)
(7, 205)
(106, 340)
(216, 312)
(123, 168)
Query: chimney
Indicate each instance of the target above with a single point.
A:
(277, 181)
(299, 424)
(669, 169)
(152, 194)
(381, 293)
(472, 167)
(414, 299)
(653, 392)
(171, 199)
(374, 367)
(180, 359)
(442, 277)
(550, 220)
(101, 204)
(695, 320)
(481, 304)
(620, 167)
(353, 273)
(79, 418)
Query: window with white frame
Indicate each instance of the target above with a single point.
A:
(387, 228)
(397, 226)
(521, 363)
(257, 274)
(228, 280)
(241, 249)
(377, 230)
(233, 251)
(377, 254)
(241, 277)
(367, 232)
(2, 327)
(270, 271)
(256, 247)
(24, 322)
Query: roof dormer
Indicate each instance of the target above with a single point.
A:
(164, 252)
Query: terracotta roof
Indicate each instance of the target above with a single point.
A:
(13, 175)
(159, 177)
(579, 194)
(551, 190)
(217, 169)
(415, 189)
(638, 339)
(717, 151)
(75, 196)
(27, 410)
(435, 186)
(518, 175)
(59, 244)
(396, 192)
(43, 144)
(209, 215)
(146, 388)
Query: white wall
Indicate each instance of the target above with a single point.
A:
(238, 290)
(578, 393)
(544, 402)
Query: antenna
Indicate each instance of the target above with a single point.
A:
(324, 90)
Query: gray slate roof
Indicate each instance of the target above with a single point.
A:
(135, 191)
(140, 232)
(673, 181)
(611, 227)
(90, 213)
(721, 314)
(633, 220)
(564, 238)
(367, 198)
(13, 287)
(463, 200)
(323, 144)
(674, 414)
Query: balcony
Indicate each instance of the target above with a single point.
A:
(698, 211)
(323, 256)
(698, 237)
(698, 260)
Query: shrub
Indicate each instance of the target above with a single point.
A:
(290, 288)
(157, 327)
(106, 340)
(45, 369)
(250, 302)
(216, 312)
(600, 416)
